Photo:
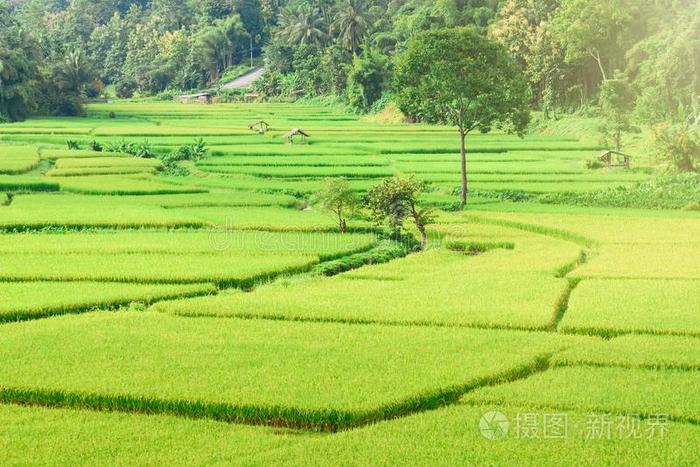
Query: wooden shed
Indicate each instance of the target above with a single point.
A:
(260, 126)
(615, 159)
(198, 98)
(296, 132)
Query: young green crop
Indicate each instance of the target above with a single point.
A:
(635, 351)
(610, 306)
(316, 375)
(604, 390)
(32, 300)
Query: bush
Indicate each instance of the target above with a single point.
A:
(382, 253)
(125, 88)
(678, 146)
(72, 144)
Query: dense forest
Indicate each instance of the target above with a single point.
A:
(55, 54)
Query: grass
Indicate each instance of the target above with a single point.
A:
(33, 300)
(99, 361)
(604, 390)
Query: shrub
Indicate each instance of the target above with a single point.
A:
(72, 144)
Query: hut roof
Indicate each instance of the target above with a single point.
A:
(294, 132)
(194, 96)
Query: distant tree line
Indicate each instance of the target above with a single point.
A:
(55, 53)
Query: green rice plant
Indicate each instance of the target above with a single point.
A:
(660, 261)
(327, 246)
(18, 159)
(612, 306)
(23, 183)
(106, 161)
(635, 351)
(270, 218)
(122, 186)
(233, 270)
(302, 172)
(430, 287)
(453, 436)
(56, 154)
(296, 161)
(84, 438)
(447, 436)
(122, 170)
(671, 393)
(37, 211)
(256, 371)
(603, 225)
(32, 300)
(381, 253)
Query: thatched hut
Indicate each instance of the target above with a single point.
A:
(260, 126)
(198, 98)
(614, 159)
(296, 132)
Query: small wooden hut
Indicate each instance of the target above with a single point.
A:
(198, 98)
(614, 159)
(259, 127)
(296, 132)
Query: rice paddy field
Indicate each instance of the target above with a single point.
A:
(216, 316)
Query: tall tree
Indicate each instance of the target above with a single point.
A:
(351, 22)
(302, 25)
(457, 77)
(616, 105)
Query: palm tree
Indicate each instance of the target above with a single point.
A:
(304, 25)
(351, 24)
(73, 72)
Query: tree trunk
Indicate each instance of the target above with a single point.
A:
(463, 167)
(423, 237)
(342, 225)
(596, 57)
(618, 137)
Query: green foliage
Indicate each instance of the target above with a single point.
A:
(337, 197)
(394, 200)
(616, 102)
(367, 79)
(679, 147)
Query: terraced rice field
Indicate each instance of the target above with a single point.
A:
(219, 318)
